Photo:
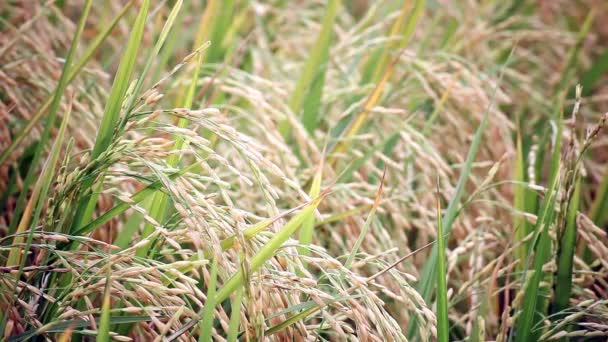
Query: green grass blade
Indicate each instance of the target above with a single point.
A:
(427, 281)
(520, 224)
(599, 209)
(306, 233)
(219, 29)
(235, 316)
(121, 83)
(314, 67)
(368, 222)
(312, 105)
(594, 74)
(103, 333)
(206, 324)
(112, 111)
(160, 42)
(533, 308)
(269, 249)
(542, 246)
(565, 257)
(443, 328)
(573, 54)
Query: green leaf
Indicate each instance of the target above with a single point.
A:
(565, 257)
(542, 248)
(368, 222)
(315, 67)
(103, 333)
(112, 111)
(206, 324)
(443, 328)
(235, 316)
(306, 233)
(594, 74)
(269, 248)
(520, 194)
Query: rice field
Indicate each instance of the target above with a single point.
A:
(272, 170)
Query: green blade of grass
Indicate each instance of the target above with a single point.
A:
(112, 111)
(166, 30)
(223, 19)
(103, 329)
(429, 271)
(314, 68)
(542, 246)
(306, 233)
(520, 224)
(235, 316)
(312, 105)
(599, 208)
(252, 231)
(565, 257)
(573, 54)
(160, 42)
(532, 312)
(269, 248)
(206, 323)
(366, 225)
(594, 74)
(535, 299)
(443, 328)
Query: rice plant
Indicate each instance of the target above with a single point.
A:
(303, 170)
